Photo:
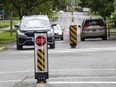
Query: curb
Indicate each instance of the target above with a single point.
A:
(2, 48)
(7, 42)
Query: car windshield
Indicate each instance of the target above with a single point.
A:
(93, 22)
(57, 27)
(33, 23)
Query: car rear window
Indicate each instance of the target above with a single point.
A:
(93, 22)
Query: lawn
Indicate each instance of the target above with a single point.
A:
(6, 23)
(5, 37)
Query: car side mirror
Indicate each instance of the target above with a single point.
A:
(79, 26)
(63, 29)
(53, 24)
(16, 26)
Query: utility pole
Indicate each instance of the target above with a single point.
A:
(11, 15)
(74, 4)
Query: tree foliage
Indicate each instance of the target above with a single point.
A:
(103, 7)
(28, 7)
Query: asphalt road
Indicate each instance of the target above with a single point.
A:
(91, 64)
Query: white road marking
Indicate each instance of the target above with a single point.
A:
(66, 82)
(10, 81)
(82, 82)
(87, 77)
(68, 50)
(82, 50)
(13, 72)
(83, 70)
(56, 70)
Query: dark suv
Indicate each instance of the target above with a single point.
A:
(30, 24)
(93, 28)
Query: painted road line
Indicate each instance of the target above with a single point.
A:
(10, 81)
(82, 50)
(18, 80)
(66, 82)
(86, 77)
(68, 50)
(13, 72)
(82, 82)
(113, 69)
(56, 70)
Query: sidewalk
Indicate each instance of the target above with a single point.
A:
(2, 48)
(6, 29)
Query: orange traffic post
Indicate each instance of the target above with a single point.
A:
(73, 36)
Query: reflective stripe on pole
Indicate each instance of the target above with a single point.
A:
(41, 56)
(73, 36)
(40, 60)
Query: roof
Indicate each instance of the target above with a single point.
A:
(35, 17)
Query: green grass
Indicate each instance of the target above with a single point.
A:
(113, 32)
(5, 37)
(6, 23)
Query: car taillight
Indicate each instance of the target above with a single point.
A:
(85, 26)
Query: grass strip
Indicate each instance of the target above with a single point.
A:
(6, 23)
(5, 37)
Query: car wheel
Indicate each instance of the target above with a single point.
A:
(82, 39)
(19, 47)
(61, 38)
(52, 46)
(104, 38)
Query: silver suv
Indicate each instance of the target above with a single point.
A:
(93, 28)
(30, 24)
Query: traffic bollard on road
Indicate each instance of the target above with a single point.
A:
(73, 35)
(40, 56)
(72, 19)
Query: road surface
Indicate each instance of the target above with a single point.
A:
(91, 64)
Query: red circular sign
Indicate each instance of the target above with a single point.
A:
(40, 40)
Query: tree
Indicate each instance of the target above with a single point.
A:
(106, 8)
(102, 7)
(25, 7)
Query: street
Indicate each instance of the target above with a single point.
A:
(91, 64)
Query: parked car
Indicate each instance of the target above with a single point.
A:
(93, 28)
(58, 30)
(30, 24)
(61, 11)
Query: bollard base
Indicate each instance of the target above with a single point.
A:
(73, 46)
(41, 81)
(41, 77)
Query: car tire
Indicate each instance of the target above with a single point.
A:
(52, 46)
(61, 38)
(104, 38)
(82, 39)
(19, 47)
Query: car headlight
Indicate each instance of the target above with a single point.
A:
(20, 32)
(59, 32)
